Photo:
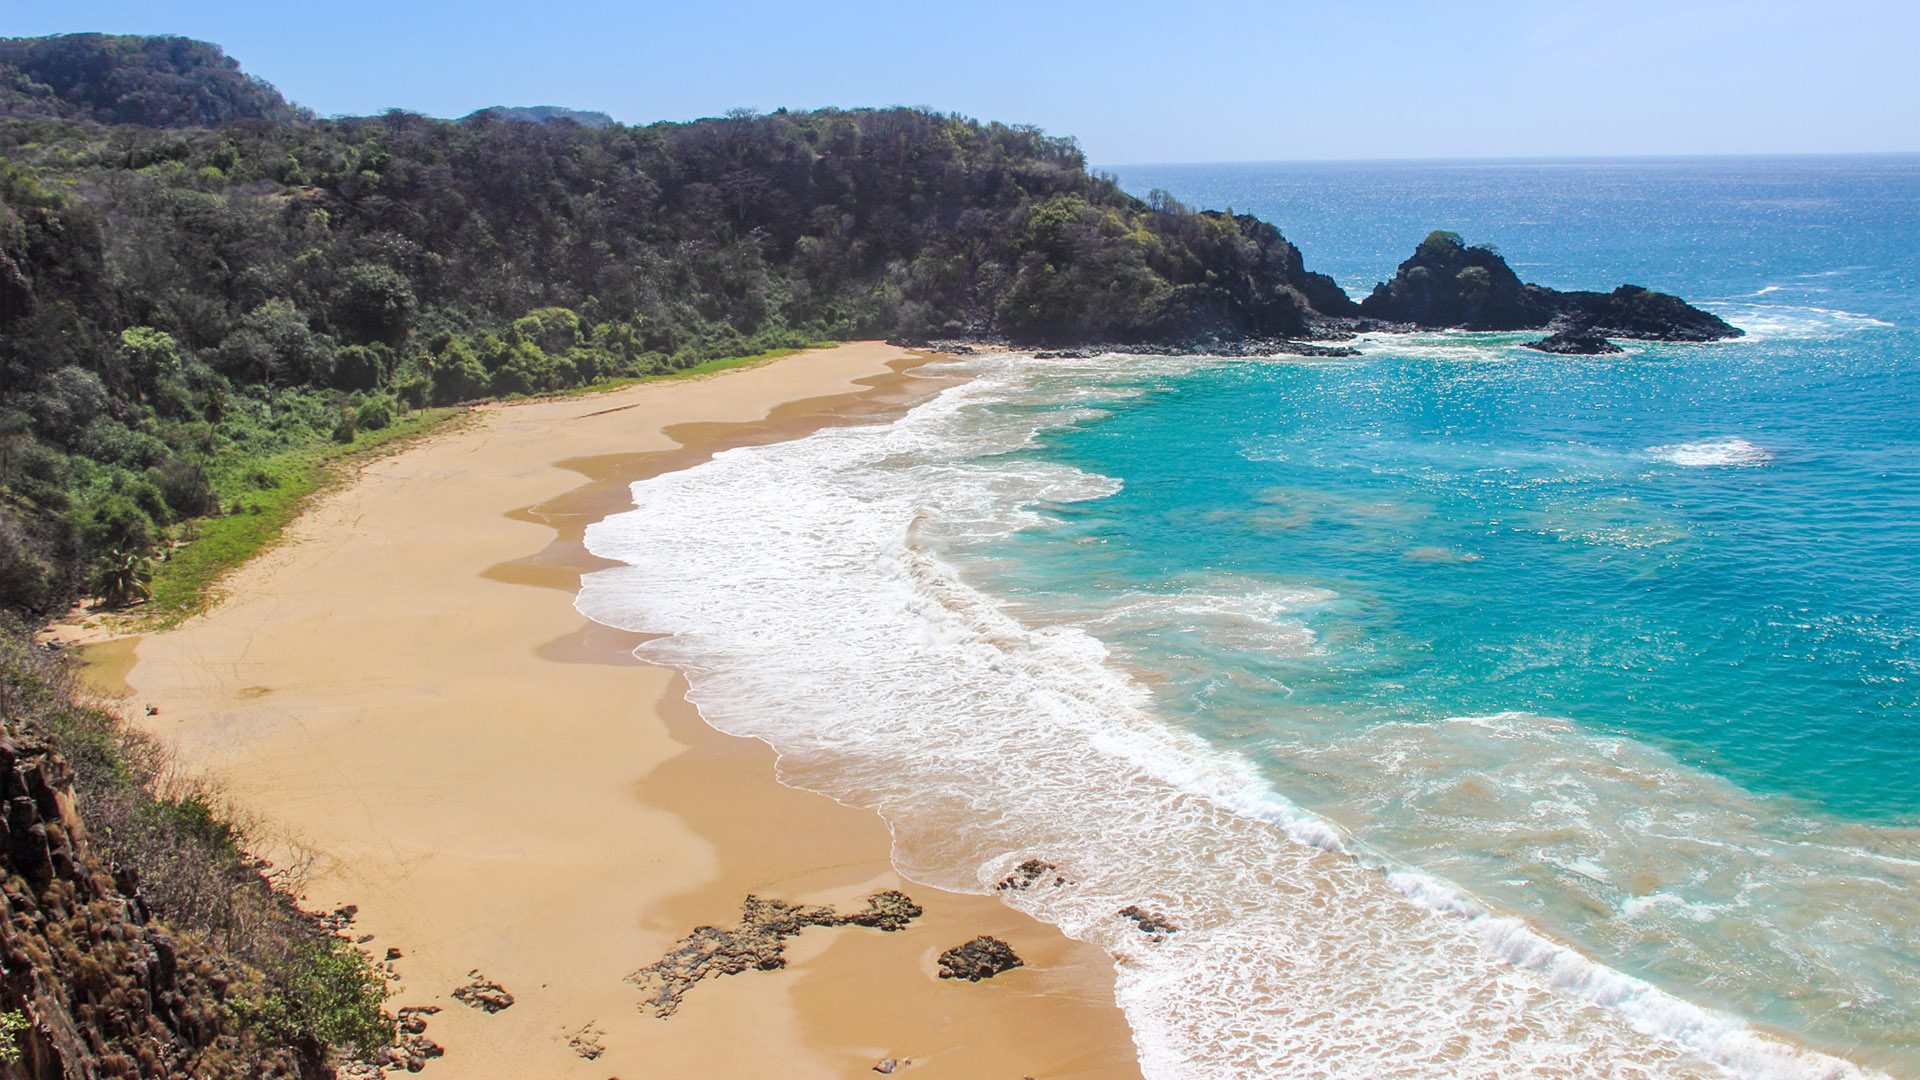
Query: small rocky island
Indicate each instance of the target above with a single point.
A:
(1575, 343)
(1448, 285)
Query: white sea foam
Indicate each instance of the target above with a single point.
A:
(801, 596)
(1762, 320)
(1707, 453)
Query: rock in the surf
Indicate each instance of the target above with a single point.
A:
(1574, 343)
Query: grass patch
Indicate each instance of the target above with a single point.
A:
(707, 368)
(261, 497)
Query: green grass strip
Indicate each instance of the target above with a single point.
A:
(261, 497)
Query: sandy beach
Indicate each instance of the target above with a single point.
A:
(402, 699)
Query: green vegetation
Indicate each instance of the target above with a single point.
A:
(12, 1023)
(160, 81)
(330, 991)
(261, 495)
(200, 284)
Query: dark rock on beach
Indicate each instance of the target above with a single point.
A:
(482, 993)
(1574, 343)
(982, 958)
(757, 944)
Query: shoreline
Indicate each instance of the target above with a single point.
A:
(504, 788)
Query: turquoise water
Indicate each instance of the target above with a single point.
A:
(1473, 712)
(1519, 527)
(1710, 548)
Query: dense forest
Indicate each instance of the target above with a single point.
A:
(194, 274)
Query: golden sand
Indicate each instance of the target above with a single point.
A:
(402, 699)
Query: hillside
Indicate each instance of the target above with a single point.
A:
(123, 79)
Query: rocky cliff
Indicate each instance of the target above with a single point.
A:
(106, 991)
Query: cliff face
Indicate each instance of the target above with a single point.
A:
(1448, 285)
(107, 991)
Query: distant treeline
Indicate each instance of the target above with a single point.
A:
(215, 274)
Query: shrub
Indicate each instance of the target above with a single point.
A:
(13, 1022)
(551, 329)
(185, 487)
(112, 442)
(116, 523)
(328, 989)
(374, 415)
(69, 400)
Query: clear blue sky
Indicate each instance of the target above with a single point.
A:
(1137, 82)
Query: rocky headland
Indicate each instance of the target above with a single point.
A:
(1447, 285)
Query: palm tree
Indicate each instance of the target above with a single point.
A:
(123, 578)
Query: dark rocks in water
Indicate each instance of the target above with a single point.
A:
(1574, 343)
(1029, 873)
(982, 958)
(757, 944)
(481, 993)
(1154, 925)
(1448, 285)
(1644, 315)
(1207, 346)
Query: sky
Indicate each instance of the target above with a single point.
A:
(1137, 82)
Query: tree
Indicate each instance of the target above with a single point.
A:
(151, 356)
(123, 578)
(373, 304)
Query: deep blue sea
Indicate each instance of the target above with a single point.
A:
(1472, 711)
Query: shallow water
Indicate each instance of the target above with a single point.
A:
(1472, 712)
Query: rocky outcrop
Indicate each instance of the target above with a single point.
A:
(483, 993)
(1643, 315)
(757, 944)
(982, 958)
(1151, 923)
(1574, 343)
(107, 992)
(1448, 285)
(1031, 873)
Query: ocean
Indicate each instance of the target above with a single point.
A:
(1469, 711)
